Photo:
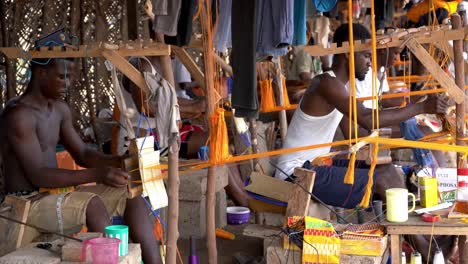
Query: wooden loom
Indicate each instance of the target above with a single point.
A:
(146, 177)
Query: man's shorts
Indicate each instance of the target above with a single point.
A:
(329, 183)
(43, 212)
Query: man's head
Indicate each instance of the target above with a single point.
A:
(362, 60)
(387, 57)
(52, 77)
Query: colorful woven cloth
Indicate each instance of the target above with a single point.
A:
(321, 243)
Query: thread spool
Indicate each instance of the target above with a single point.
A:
(403, 257)
(360, 215)
(416, 258)
(377, 205)
(438, 257)
(340, 215)
(193, 258)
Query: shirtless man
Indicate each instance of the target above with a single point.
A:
(31, 126)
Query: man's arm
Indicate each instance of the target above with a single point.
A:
(83, 155)
(334, 92)
(392, 102)
(21, 127)
(344, 125)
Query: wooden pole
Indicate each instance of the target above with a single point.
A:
(253, 135)
(460, 45)
(124, 21)
(209, 86)
(460, 81)
(173, 171)
(283, 122)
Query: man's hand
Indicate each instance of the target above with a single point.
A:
(436, 104)
(112, 177)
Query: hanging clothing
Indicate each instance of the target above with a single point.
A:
(181, 74)
(301, 62)
(167, 24)
(300, 29)
(184, 25)
(132, 113)
(167, 114)
(275, 27)
(321, 30)
(244, 90)
(222, 38)
(305, 130)
(159, 7)
(163, 94)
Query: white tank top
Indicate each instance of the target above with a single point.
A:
(306, 130)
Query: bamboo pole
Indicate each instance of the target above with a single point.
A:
(460, 81)
(209, 87)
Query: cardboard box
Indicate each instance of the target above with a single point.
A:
(447, 182)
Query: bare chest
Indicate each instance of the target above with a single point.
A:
(48, 130)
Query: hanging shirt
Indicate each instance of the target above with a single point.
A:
(167, 22)
(300, 28)
(275, 27)
(364, 88)
(306, 130)
(222, 38)
(302, 62)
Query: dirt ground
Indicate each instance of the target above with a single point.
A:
(248, 246)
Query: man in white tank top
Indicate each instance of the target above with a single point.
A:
(318, 116)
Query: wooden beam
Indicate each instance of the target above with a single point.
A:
(422, 35)
(138, 48)
(426, 59)
(126, 68)
(190, 64)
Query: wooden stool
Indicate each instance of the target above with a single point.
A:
(16, 208)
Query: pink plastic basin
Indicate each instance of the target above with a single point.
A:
(104, 250)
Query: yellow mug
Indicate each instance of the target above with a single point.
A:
(397, 204)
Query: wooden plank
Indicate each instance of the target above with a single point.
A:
(190, 64)
(425, 58)
(269, 187)
(12, 233)
(92, 50)
(427, 230)
(299, 200)
(127, 69)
